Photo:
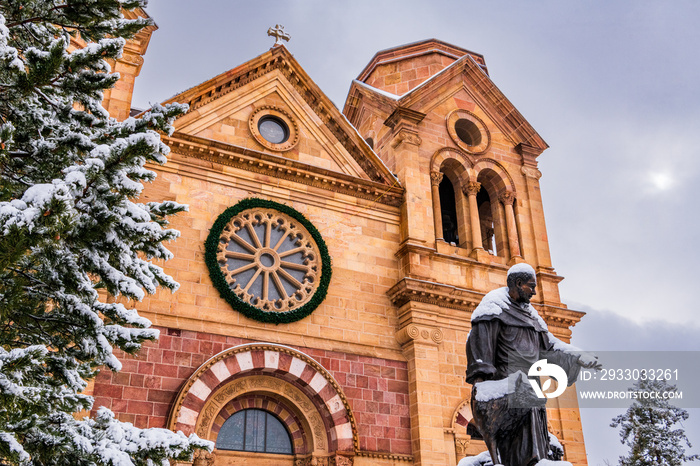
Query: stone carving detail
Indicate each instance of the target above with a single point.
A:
(437, 336)
(269, 246)
(342, 461)
(131, 58)
(207, 416)
(461, 444)
(472, 188)
(507, 198)
(421, 334)
(531, 172)
(230, 391)
(203, 458)
(313, 461)
(408, 137)
(436, 178)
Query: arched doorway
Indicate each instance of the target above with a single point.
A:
(273, 380)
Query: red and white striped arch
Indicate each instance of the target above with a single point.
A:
(272, 360)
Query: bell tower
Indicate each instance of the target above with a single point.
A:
(467, 159)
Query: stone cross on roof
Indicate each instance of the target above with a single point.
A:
(278, 33)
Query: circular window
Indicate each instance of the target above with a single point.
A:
(268, 261)
(468, 131)
(273, 129)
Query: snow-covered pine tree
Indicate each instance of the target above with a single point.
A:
(648, 428)
(70, 226)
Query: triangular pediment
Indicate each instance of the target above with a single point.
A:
(464, 80)
(228, 109)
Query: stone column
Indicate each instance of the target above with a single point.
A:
(421, 347)
(507, 198)
(435, 179)
(470, 191)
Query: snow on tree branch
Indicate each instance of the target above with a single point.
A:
(71, 225)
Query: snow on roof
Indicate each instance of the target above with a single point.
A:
(431, 78)
(377, 90)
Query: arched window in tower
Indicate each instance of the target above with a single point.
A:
(488, 238)
(254, 430)
(449, 211)
(492, 221)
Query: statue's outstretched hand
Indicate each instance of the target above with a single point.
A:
(589, 361)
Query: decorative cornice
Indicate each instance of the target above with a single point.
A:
(281, 60)
(559, 316)
(439, 294)
(402, 114)
(448, 296)
(407, 136)
(529, 153)
(384, 456)
(280, 167)
(406, 247)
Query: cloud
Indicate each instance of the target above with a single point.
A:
(608, 331)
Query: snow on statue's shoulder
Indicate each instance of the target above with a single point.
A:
(492, 304)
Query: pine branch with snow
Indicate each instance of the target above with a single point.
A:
(71, 228)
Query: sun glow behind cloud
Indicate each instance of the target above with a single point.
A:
(662, 181)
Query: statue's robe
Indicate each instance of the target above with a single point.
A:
(502, 343)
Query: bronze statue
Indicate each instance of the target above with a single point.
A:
(507, 338)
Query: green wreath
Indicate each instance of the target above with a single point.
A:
(223, 286)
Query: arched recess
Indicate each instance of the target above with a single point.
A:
(275, 378)
(495, 207)
(505, 181)
(449, 176)
(468, 441)
(446, 153)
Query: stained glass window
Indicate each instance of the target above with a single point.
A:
(254, 430)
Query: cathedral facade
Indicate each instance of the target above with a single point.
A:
(330, 261)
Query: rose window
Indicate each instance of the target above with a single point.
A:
(270, 261)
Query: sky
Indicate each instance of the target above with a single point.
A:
(611, 86)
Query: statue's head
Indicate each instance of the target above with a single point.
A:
(521, 282)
